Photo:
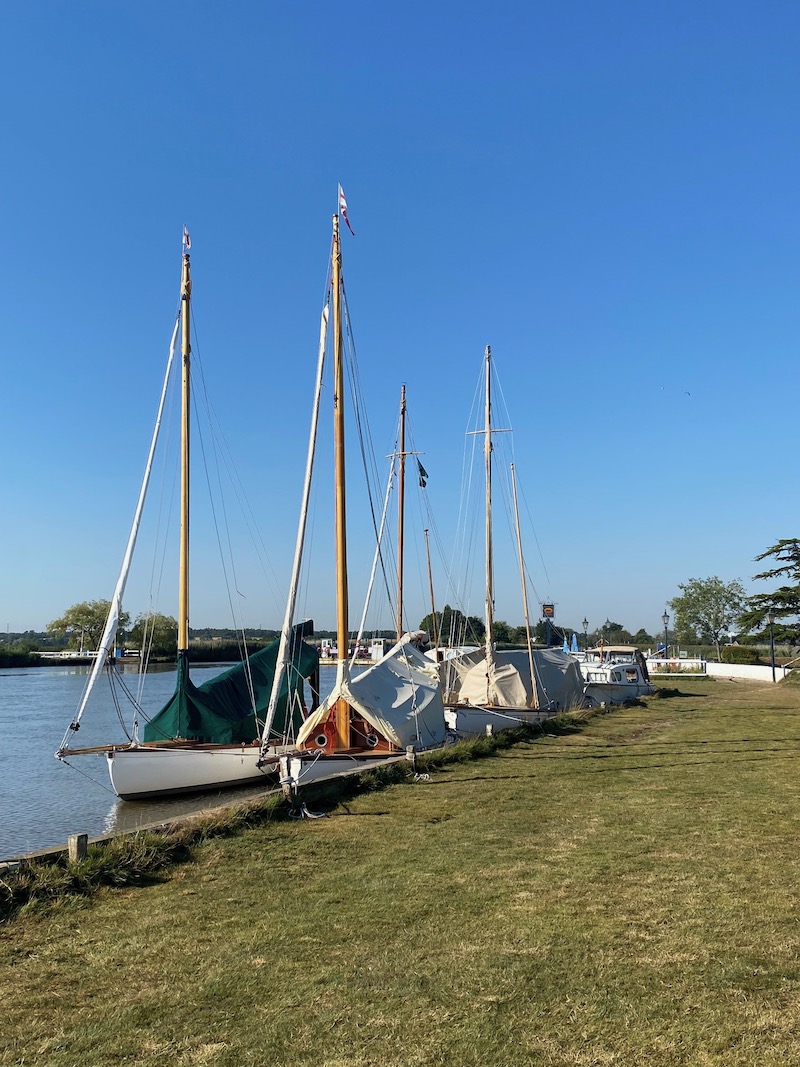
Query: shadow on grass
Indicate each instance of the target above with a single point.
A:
(668, 694)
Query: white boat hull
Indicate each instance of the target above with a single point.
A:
(142, 772)
(466, 721)
(616, 692)
(296, 771)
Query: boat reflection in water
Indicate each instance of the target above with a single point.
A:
(126, 816)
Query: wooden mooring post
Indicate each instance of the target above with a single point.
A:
(78, 845)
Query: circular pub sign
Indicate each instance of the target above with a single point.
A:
(548, 611)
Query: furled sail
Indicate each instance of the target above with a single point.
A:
(283, 655)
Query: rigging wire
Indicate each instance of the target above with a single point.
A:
(368, 459)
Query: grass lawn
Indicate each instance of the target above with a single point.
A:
(626, 895)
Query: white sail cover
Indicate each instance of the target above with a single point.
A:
(505, 681)
(399, 696)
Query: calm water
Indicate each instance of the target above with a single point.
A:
(42, 800)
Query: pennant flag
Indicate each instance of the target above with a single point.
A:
(343, 210)
(187, 241)
(423, 475)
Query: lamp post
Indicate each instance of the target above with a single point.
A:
(771, 621)
(665, 620)
(585, 634)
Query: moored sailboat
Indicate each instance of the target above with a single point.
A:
(213, 735)
(394, 706)
(495, 690)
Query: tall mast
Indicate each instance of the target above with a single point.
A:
(487, 449)
(342, 630)
(183, 586)
(401, 511)
(534, 694)
(433, 599)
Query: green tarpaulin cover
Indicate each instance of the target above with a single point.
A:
(220, 711)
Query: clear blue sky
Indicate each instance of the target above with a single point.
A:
(605, 193)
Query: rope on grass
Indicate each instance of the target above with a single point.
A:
(303, 813)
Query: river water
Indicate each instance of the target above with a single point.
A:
(43, 800)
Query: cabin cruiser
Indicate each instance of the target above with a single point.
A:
(613, 674)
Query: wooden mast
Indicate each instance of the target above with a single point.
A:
(534, 694)
(433, 599)
(401, 489)
(183, 582)
(487, 447)
(342, 630)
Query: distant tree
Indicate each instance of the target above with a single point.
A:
(540, 632)
(614, 633)
(82, 625)
(642, 637)
(156, 632)
(708, 608)
(454, 628)
(502, 632)
(785, 600)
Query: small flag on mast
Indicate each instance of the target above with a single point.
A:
(423, 475)
(187, 241)
(343, 210)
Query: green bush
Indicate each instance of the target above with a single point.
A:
(740, 654)
(19, 657)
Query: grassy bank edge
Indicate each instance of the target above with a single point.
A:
(136, 858)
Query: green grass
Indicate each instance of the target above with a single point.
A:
(625, 894)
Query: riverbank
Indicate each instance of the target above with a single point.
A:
(625, 894)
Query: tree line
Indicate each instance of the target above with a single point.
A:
(706, 611)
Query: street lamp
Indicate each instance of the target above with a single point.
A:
(665, 620)
(771, 621)
(585, 634)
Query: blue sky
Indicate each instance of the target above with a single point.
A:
(606, 194)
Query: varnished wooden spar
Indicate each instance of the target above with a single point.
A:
(528, 638)
(487, 457)
(150, 745)
(401, 490)
(340, 510)
(186, 353)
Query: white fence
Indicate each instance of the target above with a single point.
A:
(676, 668)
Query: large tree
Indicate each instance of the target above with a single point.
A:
(785, 600)
(83, 624)
(156, 632)
(708, 608)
